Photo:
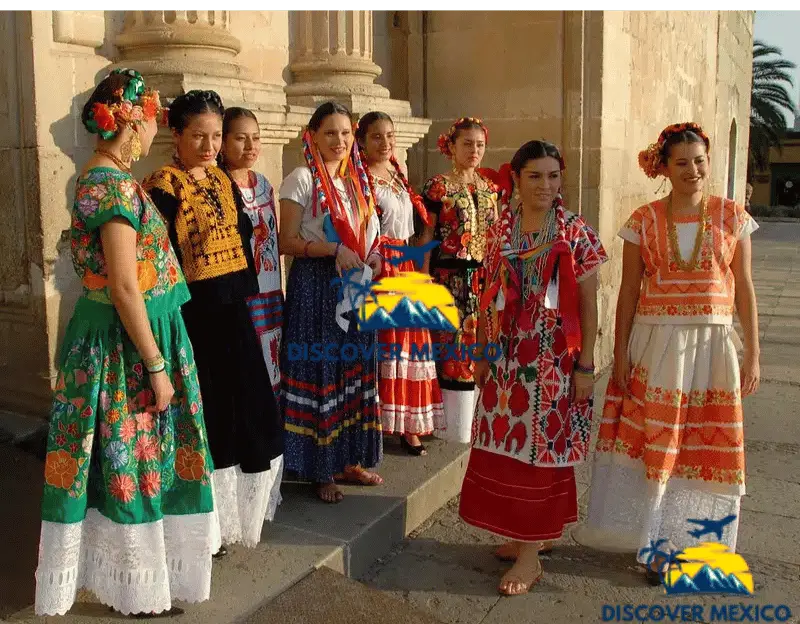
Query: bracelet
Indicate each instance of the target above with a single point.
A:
(305, 249)
(155, 364)
(336, 253)
(587, 370)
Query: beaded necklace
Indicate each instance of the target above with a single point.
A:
(531, 269)
(211, 193)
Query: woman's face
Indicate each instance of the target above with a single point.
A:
(468, 148)
(147, 130)
(334, 137)
(539, 182)
(242, 144)
(380, 142)
(200, 141)
(688, 167)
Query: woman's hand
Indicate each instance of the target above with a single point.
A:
(375, 263)
(750, 373)
(163, 391)
(622, 371)
(347, 259)
(481, 372)
(582, 386)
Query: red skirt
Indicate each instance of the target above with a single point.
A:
(517, 500)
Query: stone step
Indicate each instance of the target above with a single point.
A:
(326, 597)
(308, 534)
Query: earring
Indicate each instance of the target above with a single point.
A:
(131, 149)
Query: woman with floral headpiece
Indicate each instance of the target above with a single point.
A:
(410, 398)
(330, 227)
(127, 491)
(462, 205)
(670, 448)
(533, 417)
(211, 233)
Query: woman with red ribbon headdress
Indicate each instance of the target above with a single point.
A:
(410, 398)
(533, 415)
(461, 204)
(670, 449)
(330, 227)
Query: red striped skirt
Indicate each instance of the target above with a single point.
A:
(516, 500)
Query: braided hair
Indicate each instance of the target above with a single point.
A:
(191, 103)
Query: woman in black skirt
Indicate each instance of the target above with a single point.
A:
(211, 235)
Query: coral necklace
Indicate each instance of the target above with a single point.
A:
(672, 230)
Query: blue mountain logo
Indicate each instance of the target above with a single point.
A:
(407, 313)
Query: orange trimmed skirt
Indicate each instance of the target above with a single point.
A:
(517, 500)
(670, 445)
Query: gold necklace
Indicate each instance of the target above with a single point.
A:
(672, 231)
(117, 161)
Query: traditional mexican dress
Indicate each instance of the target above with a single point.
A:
(127, 493)
(266, 308)
(465, 212)
(528, 433)
(410, 397)
(330, 406)
(211, 235)
(670, 445)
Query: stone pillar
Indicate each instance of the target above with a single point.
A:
(332, 56)
(175, 42)
(331, 59)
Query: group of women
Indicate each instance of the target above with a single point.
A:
(177, 407)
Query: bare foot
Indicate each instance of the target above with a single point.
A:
(329, 492)
(510, 550)
(356, 474)
(525, 573)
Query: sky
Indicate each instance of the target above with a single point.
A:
(782, 29)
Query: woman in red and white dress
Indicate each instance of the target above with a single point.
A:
(533, 416)
(410, 398)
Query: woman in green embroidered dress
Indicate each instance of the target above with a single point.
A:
(127, 510)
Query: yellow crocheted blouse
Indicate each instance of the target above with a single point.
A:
(209, 241)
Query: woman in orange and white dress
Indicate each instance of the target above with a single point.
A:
(670, 445)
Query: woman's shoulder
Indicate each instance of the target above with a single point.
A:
(435, 187)
(167, 179)
(297, 185)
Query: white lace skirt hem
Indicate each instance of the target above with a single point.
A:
(244, 501)
(627, 511)
(133, 568)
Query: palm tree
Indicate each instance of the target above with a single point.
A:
(769, 101)
(653, 552)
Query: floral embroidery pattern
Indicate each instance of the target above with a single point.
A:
(101, 194)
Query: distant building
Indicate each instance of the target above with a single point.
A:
(779, 185)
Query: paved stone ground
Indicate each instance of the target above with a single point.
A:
(447, 567)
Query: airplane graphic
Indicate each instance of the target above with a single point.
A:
(415, 254)
(710, 526)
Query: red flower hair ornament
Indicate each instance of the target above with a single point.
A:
(652, 158)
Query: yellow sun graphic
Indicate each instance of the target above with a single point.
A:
(418, 287)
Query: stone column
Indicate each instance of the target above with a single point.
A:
(332, 56)
(331, 59)
(177, 42)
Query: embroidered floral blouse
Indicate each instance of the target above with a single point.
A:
(102, 194)
(706, 293)
(465, 214)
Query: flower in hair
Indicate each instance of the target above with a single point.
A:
(104, 117)
(651, 159)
